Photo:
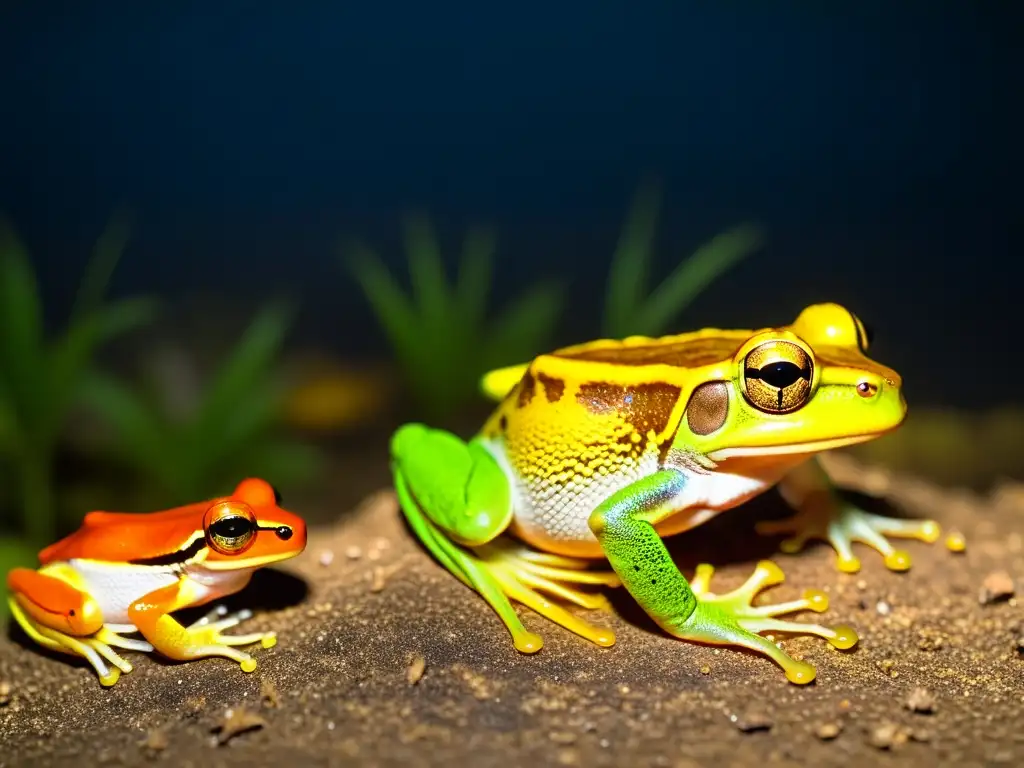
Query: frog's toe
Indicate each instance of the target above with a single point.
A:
(843, 525)
(526, 576)
(209, 631)
(855, 525)
(733, 619)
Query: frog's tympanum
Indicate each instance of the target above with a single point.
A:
(599, 450)
(122, 573)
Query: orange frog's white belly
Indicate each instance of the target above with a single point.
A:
(115, 586)
(555, 516)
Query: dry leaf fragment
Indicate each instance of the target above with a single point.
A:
(237, 721)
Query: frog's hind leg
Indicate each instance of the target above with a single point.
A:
(524, 574)
(457, 501)
(60, 617)
(468, 569)
(822, 513)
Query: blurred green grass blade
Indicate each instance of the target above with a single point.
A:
(246, 424)
(280, 461)
(693, 275)
(136, 433)
(9, 438)
(522, 329)
(426, 273)
(250, 361)
(476, 271)
(631, 263)
(393, 309)
(69, 356)
(21, 326)
(106, 255)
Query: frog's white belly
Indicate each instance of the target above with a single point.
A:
(116, 586)
(555, 516)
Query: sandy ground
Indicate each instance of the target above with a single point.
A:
(385, 659)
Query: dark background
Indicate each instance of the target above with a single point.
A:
(877, 143)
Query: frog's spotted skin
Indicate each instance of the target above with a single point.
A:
(598, 451)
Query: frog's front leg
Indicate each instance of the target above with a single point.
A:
(458, 502)
(203, 638)
(823, 513)
(625, 526)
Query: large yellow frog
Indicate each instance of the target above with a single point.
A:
(597, 451)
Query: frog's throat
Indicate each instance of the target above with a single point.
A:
(814, 446)
(242, 563)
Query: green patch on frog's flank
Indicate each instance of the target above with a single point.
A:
(42, 375)
(230, 430)
(441, 331)
(630, 309)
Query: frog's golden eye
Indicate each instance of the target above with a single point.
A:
(777, 377)
(230, 527)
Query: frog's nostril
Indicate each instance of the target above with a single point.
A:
(283, 532)
(867, 389)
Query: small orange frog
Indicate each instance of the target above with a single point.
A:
(123, 572)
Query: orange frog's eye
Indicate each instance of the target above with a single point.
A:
(230, 527)
(777, 377)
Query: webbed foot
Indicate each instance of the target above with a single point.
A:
(829, 518)
(732, 619)
(524, 574)
(206, 638)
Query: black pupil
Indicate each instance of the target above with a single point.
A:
(779, 375)
(232, 527)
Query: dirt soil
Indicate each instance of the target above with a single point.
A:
(385, 659)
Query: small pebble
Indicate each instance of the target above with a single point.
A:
(828, 731)
(354, 552)
(5, 694)
(752, 720)
(883, 608)
(921, 700)
(997, 586)
(416, 669)
(156, 740)
(326, 558)
(886, 735)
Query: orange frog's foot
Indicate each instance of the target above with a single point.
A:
(206, 638)
(841, 524)
(95, 648)
(733, 619)
(529, 577)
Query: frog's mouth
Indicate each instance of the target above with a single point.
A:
(814, 446)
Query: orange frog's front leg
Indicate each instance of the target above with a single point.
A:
(151, 615)
(54, 611)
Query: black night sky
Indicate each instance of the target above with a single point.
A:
(874, 142)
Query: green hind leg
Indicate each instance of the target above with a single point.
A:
(458, 502)
(822, 513)
(625, 526)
